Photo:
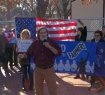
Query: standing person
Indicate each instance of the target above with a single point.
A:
(15, 56)
(97, 38)
(9, 49)
(3, 56)
(2, 45)
(25, 63)
(44, 50)
(81, 65)
(81, 36)
(15, 53)
(81, 32)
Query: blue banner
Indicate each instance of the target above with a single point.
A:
(100, 60)
(77, 57)
(32, 64)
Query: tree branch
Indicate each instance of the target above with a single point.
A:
(29, 7)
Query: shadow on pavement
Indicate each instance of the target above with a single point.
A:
(10, 83)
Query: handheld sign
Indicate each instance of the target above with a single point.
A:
(23, 45)
(10, 37)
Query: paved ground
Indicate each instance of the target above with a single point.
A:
(10, 84)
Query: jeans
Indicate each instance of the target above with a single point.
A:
(15, 58)
(9, 50)
(27, 74)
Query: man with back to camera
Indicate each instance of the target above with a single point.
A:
(44, 50)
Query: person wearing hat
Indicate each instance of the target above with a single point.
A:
(44, 49)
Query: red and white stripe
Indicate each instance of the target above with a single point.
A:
(64, 30)
(9, 36)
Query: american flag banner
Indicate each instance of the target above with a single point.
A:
(63, 30)
(30, 24)
(59, 29)
(25, 23)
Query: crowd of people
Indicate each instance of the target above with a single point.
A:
(9, 49)
(44, 50)
(99, 36)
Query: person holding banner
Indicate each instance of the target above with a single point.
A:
(25, 63)
(81, 36)
(44, 50)
(97, 38)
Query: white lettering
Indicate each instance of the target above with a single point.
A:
(63, 47)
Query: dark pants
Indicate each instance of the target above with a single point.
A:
(93, 79)
(4, 60)
(25, 70)
(15, 58)
(9, 50)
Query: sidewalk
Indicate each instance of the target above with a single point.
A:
(10, 84)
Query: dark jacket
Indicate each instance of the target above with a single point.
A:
(2, 43)
(101, 40)
(42, 55)
(83, 35)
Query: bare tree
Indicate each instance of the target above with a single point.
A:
(64, 9)
(38, 8)
(8, 5)
(30, 5)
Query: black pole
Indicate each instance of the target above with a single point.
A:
(103, 11)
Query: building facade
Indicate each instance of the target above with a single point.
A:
(92, 16)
